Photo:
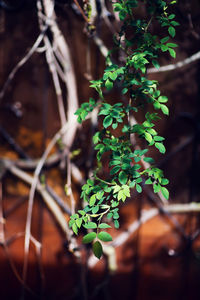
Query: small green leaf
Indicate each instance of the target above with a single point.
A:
(117, 188)
(88, 238)
(79, 222)
(172, 45)
(138, 188)
(156, 188)
(148, 181)
(172, 16)
(104, 225)
(75, 228)
(160, 147)
(81, 212)
(104, 236)
(162, 99)
(116, 224)
(115, 170)
(92, 200)
(164, 109)
(172, 52)
(113, 75)
(158, 138)
(109, 215)
(132, 184)
(95, 209)
(149, 160)
(155, 64)
(108, 84)
(121, 196)
(122, 177)
(97, 249)
(156, 105)
(124, 91)
(165, 192)
(107, 121)
(114, 125)
(164, 181)
(90, 225)
(172, 31)
(164, 40)
(126, 190)
(148, 137)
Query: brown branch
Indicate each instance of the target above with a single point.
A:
(82, 12)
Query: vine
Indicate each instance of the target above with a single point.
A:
(140, 48)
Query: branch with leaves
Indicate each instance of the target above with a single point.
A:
(140, 49)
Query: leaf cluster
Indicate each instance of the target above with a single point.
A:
(141, 48)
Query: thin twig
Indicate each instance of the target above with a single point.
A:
(22, 62)
(177, 65)
(81, 11)
(31, 196)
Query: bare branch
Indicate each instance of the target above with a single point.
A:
(22, 62)
(177, 65)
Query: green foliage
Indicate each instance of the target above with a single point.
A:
(141, 48)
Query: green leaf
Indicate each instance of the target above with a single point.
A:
(95, 209)
(149, 160)
(162, 99)
(75, 228)
(148, 181)
(88, 238)
(172, 52)
(156, 105)
(117, 188)
(97, 249)
(148, 137)
(138, 188)
(158, 138)
(115, 170)
(126, 190)
(107, 121)
(109, 215)
(104, 225)
(108, 84)
(164, 181)
(90, 225)
(124, 91)
(114, 125)
(104, 236)
(165, 192)
(121, 196)
(155, 64)
(172, 45)
(164, 40)
(116, 224)
(81, 212)
(172, 16)
(172, 31)
(122, 177)
(113, 76)
(160, 147)
(92, 200)
(164, 109)
(156, 188)
(79, 222)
